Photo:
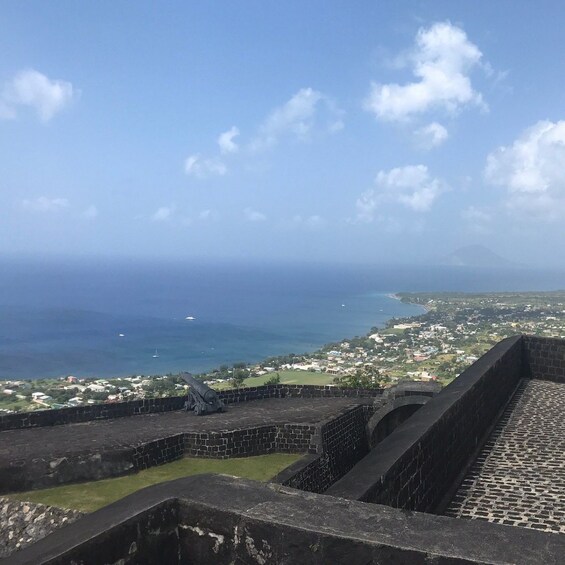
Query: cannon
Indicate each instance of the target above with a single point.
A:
(201, 398)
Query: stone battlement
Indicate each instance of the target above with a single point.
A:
(362, 516)
(107, 411)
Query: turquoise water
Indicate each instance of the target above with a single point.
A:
(62, 318)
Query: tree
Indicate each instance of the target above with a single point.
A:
(273, 380)
(238, 377)
(362, 378)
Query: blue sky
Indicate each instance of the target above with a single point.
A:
(365, 132)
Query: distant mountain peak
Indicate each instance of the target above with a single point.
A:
(475, 256)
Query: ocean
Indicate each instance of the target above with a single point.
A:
(122, 317)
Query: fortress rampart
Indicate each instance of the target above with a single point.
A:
(73, 445)
(106, 411)
(379, 505)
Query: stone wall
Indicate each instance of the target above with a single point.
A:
(78, 414)
(545, 358)
(341, 443)
(49, 472)
(157, 452)
(416, 466)
(216, 519)
(285, 438)
(88, 413)
(245, 442)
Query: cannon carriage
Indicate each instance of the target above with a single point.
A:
(201, 398)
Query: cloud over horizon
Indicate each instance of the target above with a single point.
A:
(531, 171)
(298, 117)
(35, 90)
(226, 141)
(412, 186)
(441, 61)
(162, 214)
(432, 135)
(45, 204)
(252, 215)
(201, 167)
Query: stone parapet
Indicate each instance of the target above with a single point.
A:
(106, 411)
(545, 358)
(417, 466)
(216, 519)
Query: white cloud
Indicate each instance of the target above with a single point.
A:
(162, 214)
(475, 214)
(478, 219)
(205, 215)
(411, 186)
(312, 222)
(432, 135)
(532, 170)
(252, 215)
(226, 141)
(91, 212)
(33, 89)
(298, 117)
(44, 204)
(441, 61)
(200, 167)
(366, 205)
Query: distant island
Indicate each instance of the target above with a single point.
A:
(475, 256)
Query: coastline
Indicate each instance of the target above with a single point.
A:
(440, 347)
(242, 311)
(249, 353)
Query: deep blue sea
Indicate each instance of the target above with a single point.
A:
(110, 318)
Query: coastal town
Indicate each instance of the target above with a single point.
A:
(455, 330)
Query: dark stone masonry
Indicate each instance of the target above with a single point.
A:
(78, 414)
(489, 447)
(214, 519)
(417, 465)
(46, 456)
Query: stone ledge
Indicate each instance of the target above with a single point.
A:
(216, 519)
(97, 412)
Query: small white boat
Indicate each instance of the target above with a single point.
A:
(120, 335)
(190, 318)
(156, 354)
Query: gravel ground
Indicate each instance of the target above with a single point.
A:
(24, 523)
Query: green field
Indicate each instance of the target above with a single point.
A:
(287, 377)
(12, 403)
(91, 496)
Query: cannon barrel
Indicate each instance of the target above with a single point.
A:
(207, 394)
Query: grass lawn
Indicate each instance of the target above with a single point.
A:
(12, 403)
(393, 331)
(287, 377)
(91, 496)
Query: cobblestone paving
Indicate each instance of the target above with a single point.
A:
(519, 477)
